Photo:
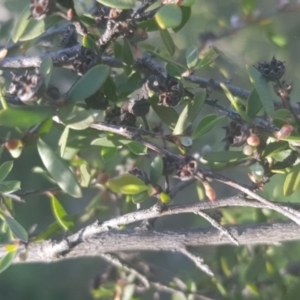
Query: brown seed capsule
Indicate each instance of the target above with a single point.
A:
(284, 131)
(13, 144)
(248, 150)
(253, 140)
(102, 178)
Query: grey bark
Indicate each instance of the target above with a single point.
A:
(148, 240)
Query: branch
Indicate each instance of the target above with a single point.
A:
(144, 240)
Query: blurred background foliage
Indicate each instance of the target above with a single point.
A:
(254, 272)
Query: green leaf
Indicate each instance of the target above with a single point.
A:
(127, 55)
(89, 83)
(63, 141)
(274, 148)
(127, 184)
(174, 71)
(168, 16)
(225, 156)
(282, 114)
(7, 260)
(60, 214)
(292, 181)
(89, 42)
(107, 153)
(110, 141)
(37, 27)
(46, 69)
(156, 169)
(20, 26)
(235, 103)
(192, 57)
(206, 125)
(139, 198)
(253, 104)
(208, 58)
(25, 116)
(168, 41)
(59, 170)
(76, 117)
(122, 4)
(15, 227)
(7, 187)
(187, 3)
(189, 113)
(186, 14)
(137, 148)
(85, 176)
(5, 169)
(262, 88)
(166, 114)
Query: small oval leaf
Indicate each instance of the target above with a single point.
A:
(15, 227)
(7, 260)
(137, 148)
(168, 16)
(224, 156)
(46, 69)
(59, 170)
(189, 113)
(292, 181)
(60, 214)
(5, 169)
(156, 169)
(89, 83)
(21, 24)
(253, 104)
(168, 41)
(25, 116)
(127, 184)
(262, 88)
(192, 57)
(206, 125)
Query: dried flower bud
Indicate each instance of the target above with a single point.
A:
(187, 171)
(101, 13)
(69, 38)
(273, 70)
(28, 87)
(209, 191)
(41, 8)
(253, 140)
(85, 59)
(127, 119)
(170, 166)
(236, 134)
(284, 131)
(97, 101)
(139, 108)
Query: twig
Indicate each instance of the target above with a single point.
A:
(199, 262)
(217, 225)
(119, 264)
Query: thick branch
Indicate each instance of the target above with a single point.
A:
(144, 240)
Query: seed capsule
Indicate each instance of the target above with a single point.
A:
(253, 140)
